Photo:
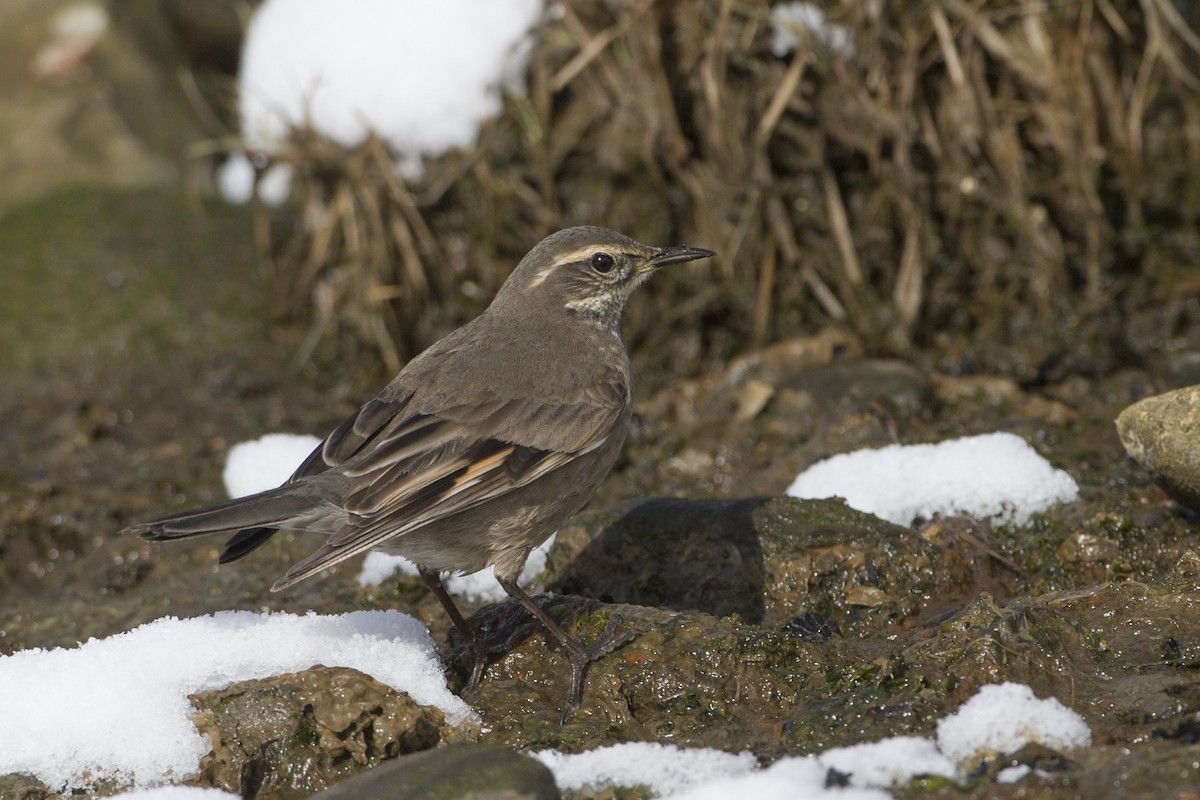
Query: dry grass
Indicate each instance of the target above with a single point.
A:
(972, 171)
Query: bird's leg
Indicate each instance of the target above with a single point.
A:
(579, 654)
(434, 581)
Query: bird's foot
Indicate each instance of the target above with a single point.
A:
(581, 656)
(494, 637)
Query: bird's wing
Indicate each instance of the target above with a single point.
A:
(409, 468)
(348, 438)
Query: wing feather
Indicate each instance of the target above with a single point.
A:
(360, 431)
(452, 493)
(412, 463)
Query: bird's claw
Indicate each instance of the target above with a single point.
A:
(581, 656)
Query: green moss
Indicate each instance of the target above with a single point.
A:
(103, 274)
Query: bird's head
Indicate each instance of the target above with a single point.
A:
(589, 271)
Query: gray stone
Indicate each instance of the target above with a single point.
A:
(1162, 433)
(463, 771)
(291, 735)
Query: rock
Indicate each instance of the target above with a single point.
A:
(1088, 548)
(688, 679)
(764, 559)
(1162, 433)
(694, 680)
(744, 611)
(291, 735)
(462, 771)
(23, 787)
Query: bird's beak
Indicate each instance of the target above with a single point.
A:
(677, 255)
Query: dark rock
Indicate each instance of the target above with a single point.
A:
(292, 735)
(463, 771)
(764, 559)
(688, 679)
(694, 680)
(1160, 432)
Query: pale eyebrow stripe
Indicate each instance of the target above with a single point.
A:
(578, 254)
(566, 258)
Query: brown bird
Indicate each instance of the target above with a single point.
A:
(482, 446)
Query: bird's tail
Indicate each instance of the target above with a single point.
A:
(255, 518)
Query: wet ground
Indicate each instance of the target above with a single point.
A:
(136, 351)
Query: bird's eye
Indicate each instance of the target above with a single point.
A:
(602, 262)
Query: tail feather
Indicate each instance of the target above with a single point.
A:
(271, 509)
(244, 542)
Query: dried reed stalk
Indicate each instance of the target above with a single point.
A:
(963, 172)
